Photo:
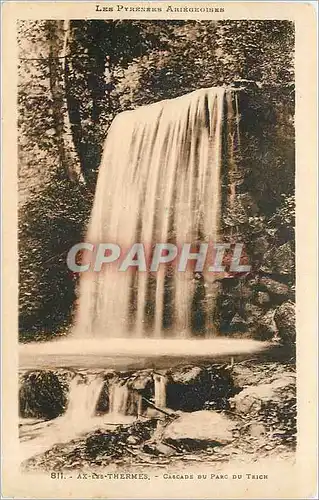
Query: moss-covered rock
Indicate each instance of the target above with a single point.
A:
(43, 394)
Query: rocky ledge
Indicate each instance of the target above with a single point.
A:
(219, 413)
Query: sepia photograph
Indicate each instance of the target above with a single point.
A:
(156, 237)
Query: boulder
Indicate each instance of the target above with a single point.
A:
(103, 403)
(141, 381)
(245, 291)
(253, 314)
(43, 393)
(238, 324)
(262, 298)
(266, 328)
(199, 429)
(188, 374)
(275, 288)
(285, 318)
(188, 388)
(253, 399)
(280, 260)
(192, 388)
(272, 404)
(260, 246)
(256, 429)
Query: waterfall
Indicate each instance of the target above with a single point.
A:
(80, 416)
(118, 397)
(159, 181)
(83, 398)
(84, 395)
(160, 383)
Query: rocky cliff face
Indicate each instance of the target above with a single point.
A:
(261, 304)
(258, 211)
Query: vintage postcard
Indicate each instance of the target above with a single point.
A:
(159, 250)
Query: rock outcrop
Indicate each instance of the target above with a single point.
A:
(198, 429)
(252, 399)
(43, 394)
(280, 260)
(285, 320)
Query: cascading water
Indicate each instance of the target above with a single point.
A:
(83, 397)
(160, 383)
(159, 181)
(118, 397)
(80, 416)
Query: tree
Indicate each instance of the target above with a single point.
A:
(58, 38)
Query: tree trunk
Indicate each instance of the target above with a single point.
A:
(59, 33)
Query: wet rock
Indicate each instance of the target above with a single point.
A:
(199, 429)
(141, 385)
(222, 388)
(285, 318)
(248, 203)
(231, 303)
(275, 288)
(252, 281)
(280, 260)
(141, 381)
(114, 442)
(103, 403)
(230, 284)
(100, 442)
(192, 388)
(188, 388)
(188, 374)
(267, 328)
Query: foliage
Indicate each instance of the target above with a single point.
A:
(50, 224)
(285, 214)
(278, 226)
